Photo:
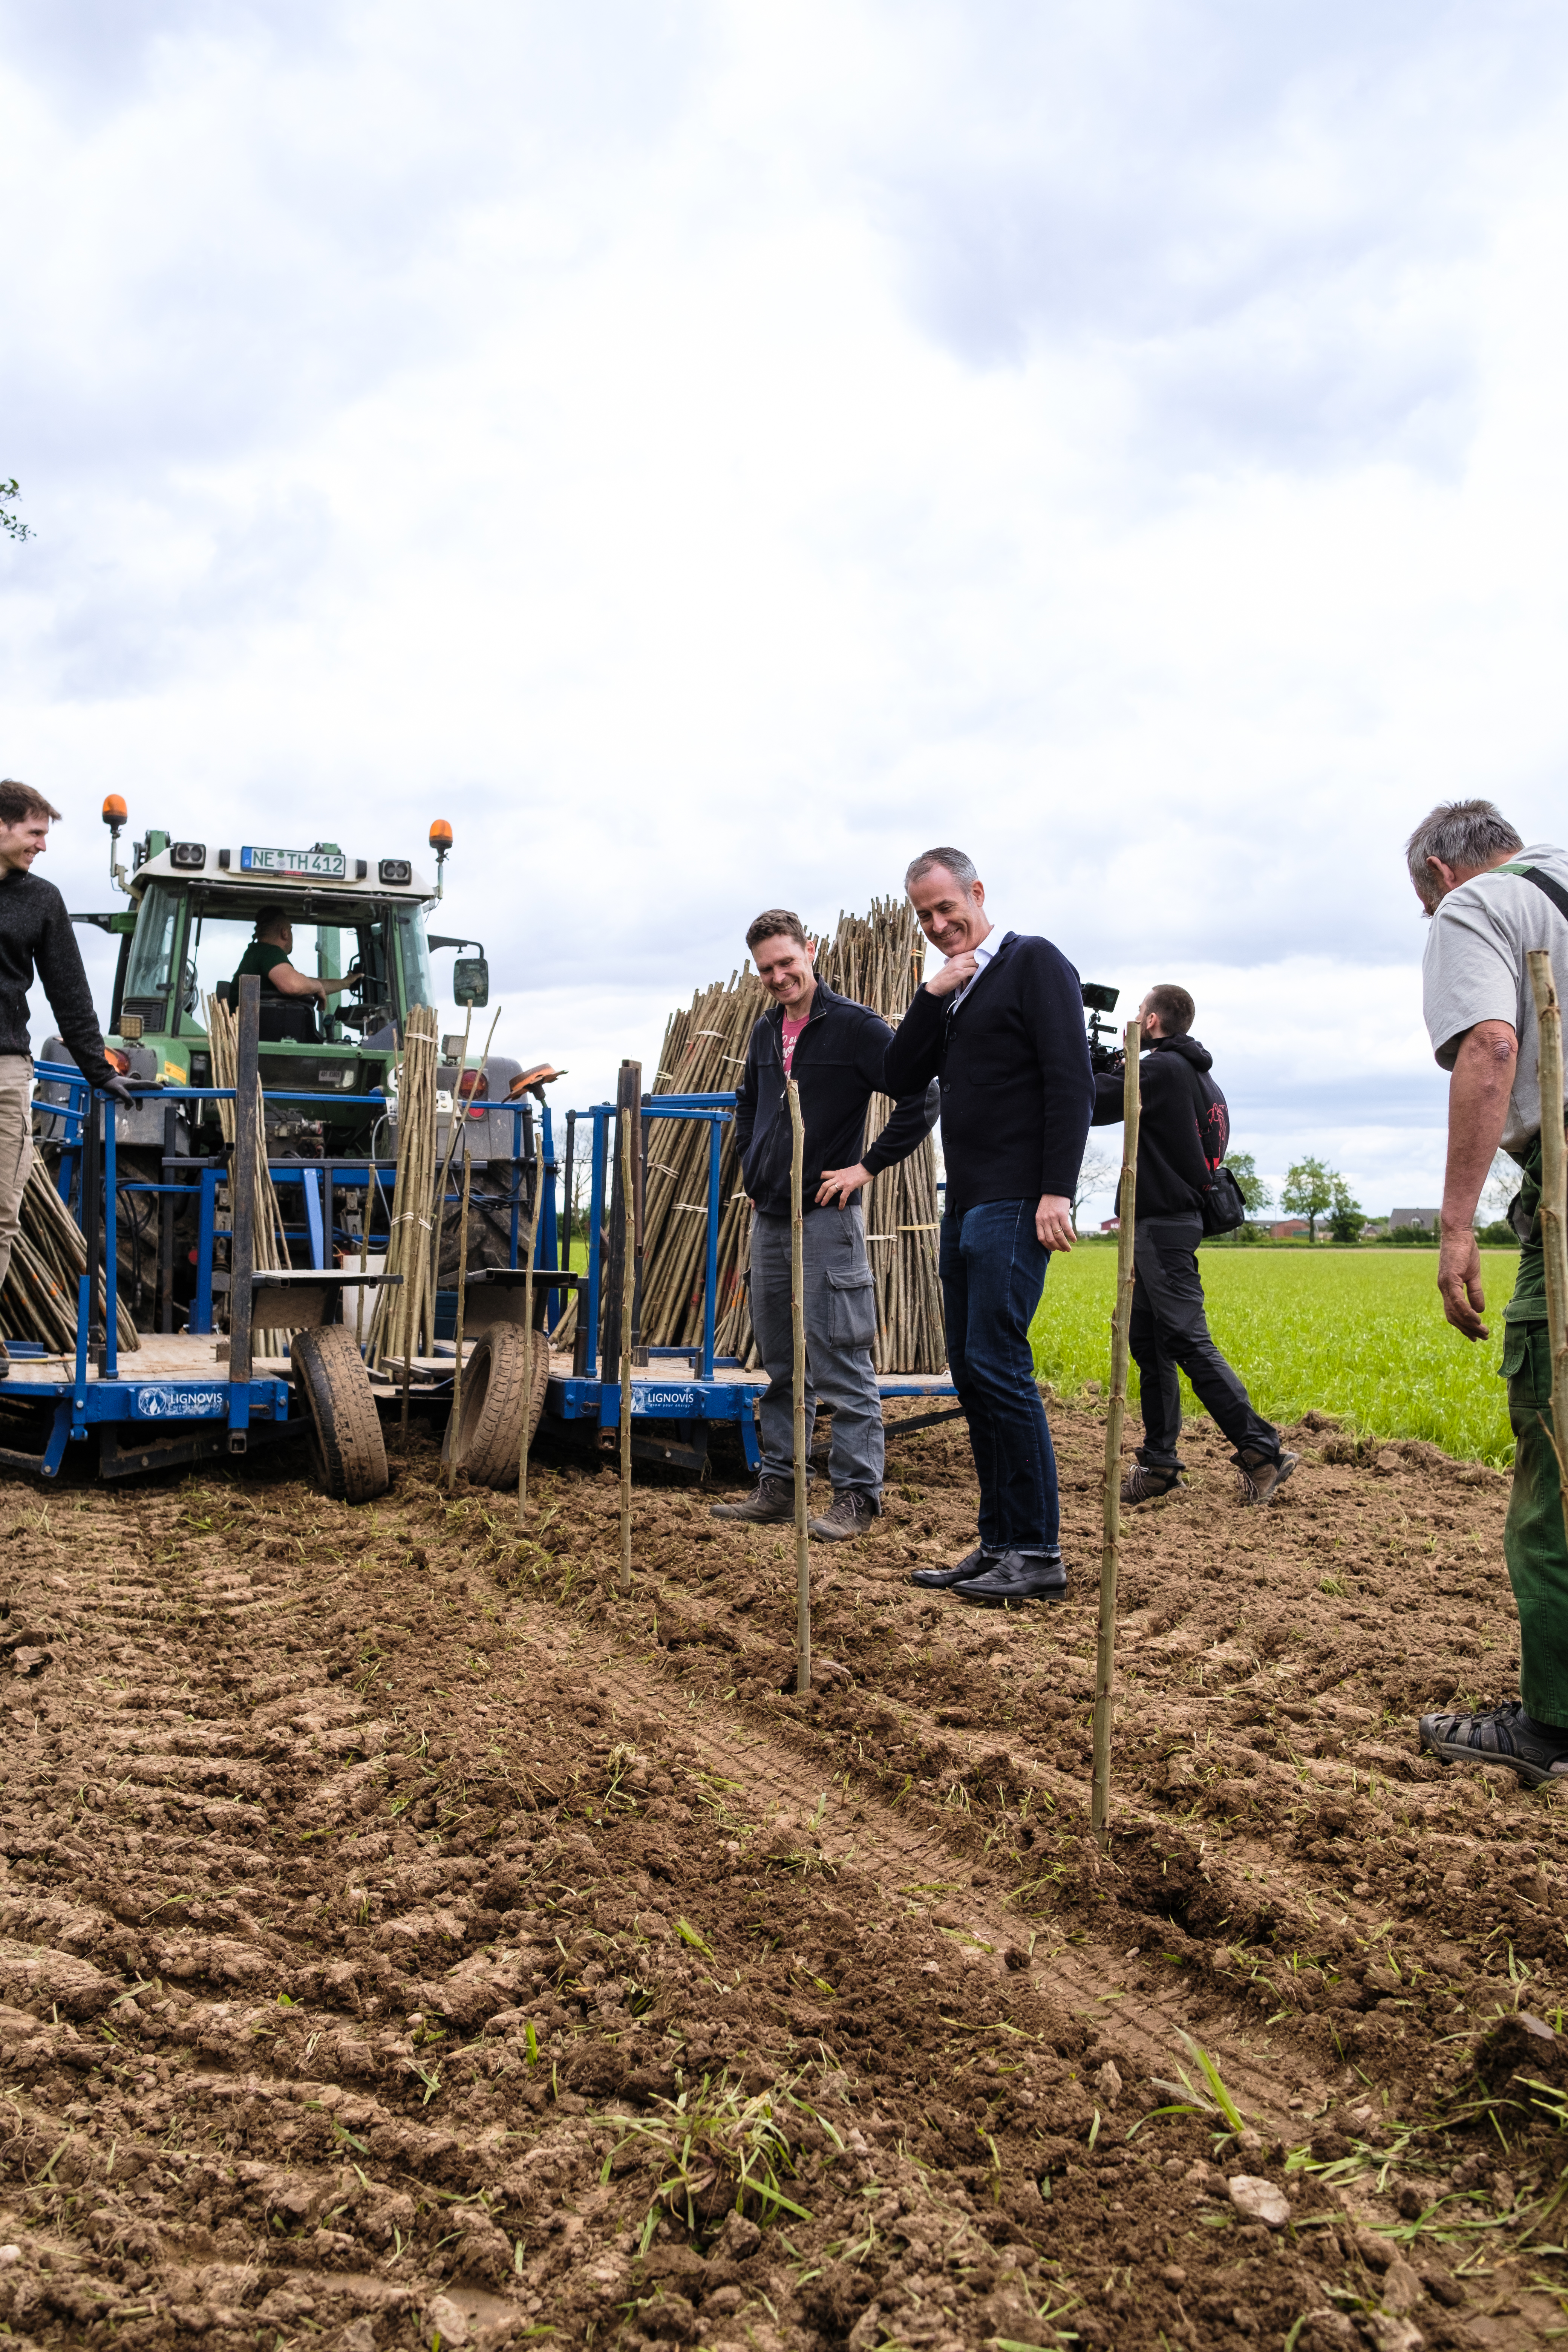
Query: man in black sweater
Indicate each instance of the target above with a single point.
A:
(35, 929)
(1001, 1026)
(833, 1050)
(1184, 1133)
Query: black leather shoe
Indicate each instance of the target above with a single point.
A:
(973, 1563)
(1017, 1576)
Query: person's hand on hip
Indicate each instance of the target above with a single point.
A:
(1053, 1222)
(839, 1185)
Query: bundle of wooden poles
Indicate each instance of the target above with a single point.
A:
(874, 959)
(48, 1259)
(270, 1249)
(404, 1322)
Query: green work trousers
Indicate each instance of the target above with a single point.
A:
(1534, 1543)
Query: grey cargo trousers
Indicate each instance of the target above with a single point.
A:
(840, 1328)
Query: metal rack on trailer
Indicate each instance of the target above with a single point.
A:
(674, 1414)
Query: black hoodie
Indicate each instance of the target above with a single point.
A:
(838, 1067)
(1184, 1125)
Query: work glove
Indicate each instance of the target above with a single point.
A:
(119, 1092)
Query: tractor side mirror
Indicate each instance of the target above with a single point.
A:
(471, 981)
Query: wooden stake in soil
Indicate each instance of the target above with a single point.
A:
(529, 1339)
(1553, 1200)
(797, 1332)
(1105, 1660)
(455, 1446)
(628, 1289)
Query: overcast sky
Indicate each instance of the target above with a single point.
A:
(709, 452)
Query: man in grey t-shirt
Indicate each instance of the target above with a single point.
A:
(1493, 901)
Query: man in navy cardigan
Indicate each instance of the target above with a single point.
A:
(1001, 1027)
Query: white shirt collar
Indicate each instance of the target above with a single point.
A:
(984, 954)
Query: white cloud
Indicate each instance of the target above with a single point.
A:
(708, 454)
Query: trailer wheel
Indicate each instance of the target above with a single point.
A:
(490, 1444)
(346, 1443)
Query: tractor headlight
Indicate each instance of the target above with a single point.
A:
(395, 873)
(190, 856)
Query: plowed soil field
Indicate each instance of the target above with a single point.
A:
(404, 1938)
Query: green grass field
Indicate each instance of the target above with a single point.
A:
(1358, 1333)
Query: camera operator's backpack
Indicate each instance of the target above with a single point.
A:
(1223, 1207)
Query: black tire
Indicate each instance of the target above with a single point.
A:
(346, 1443)
(489, 1445)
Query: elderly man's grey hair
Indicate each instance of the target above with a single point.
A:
(961, 868)
(1458, 833)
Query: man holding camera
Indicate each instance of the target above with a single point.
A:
(36, 932)
(1001, 1026)
(1491, 901)
(1183, 1134)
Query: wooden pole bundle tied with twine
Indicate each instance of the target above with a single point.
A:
(797, 1334)
(1553, 1201)
(1120, 1320)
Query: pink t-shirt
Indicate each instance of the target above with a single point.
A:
(792, 1030)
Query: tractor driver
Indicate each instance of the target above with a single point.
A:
(268, 955)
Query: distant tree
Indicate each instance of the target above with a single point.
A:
(1308, 1192)
(12, 524)
(1346, 1216)
(1254, 1190)
(1098, 1169)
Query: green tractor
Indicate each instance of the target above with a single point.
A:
(191, 915)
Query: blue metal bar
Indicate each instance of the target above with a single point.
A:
(111, 1251)
(601, 1115)
(200, 1319)
(78, 1379)
(312, 1191)
(711, 1259)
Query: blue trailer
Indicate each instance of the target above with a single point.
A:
(194, 1393)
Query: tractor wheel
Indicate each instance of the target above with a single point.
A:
(489, 1445)
(346, 1443)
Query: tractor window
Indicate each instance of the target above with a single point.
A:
(151, 968)
(329, 951)
(418, 981)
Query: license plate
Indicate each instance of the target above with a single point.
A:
(330, 865)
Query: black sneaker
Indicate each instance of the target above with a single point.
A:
(1261, 1475)
(1503, 1735)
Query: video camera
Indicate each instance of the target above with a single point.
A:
(1097, 999)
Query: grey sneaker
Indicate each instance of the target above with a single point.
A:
(853, 1513)
(1503, 1735)
(771, 1499)
(1261, 1475)
(1144, 1485)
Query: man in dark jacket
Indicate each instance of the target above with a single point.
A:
(1184, 1133)
(1001, 1026)
(833, 1050)
(35, 929)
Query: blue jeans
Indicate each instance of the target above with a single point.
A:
(993, 1272)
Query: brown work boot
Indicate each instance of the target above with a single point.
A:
(771, 1499)
(853, 1513)
(1261, 1475)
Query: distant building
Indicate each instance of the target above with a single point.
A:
(1110, 1224)
(1289, 1228)
(1426, 1219)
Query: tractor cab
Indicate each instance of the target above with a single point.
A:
(359, 924)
